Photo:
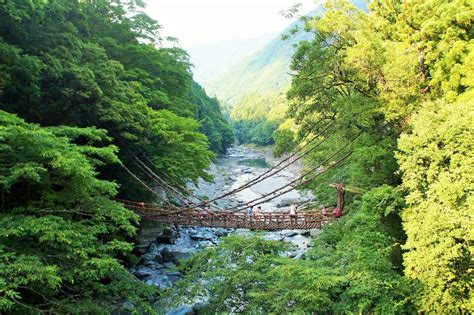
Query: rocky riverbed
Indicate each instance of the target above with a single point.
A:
(157, 265)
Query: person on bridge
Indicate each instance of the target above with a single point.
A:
(257, 211)
(325, 211)
(293, 213)
(250, 210)
(204, 213)
(337, 212)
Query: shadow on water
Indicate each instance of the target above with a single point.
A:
(260, 163)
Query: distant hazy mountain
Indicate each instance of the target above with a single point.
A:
(213, 59)
(265, 70)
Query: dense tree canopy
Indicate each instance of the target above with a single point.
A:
(96, 64)
(257, 116)
(63, 240)
(400, 75)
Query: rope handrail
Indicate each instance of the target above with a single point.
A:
(294, 187)
(266, 174)
(243, 206)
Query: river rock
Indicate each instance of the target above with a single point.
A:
(147, 257)
(159, 280)
(150, 264)
(299, 256)
(208, 243)
(143, 272)
(159, 266)
(305, 232)
(147, 234)
(169, 236)
(203, 236)
(315, 232)
(153, 249)
(273, 237)
(299, 240)
(174, 276)
(183, 310)
(221, 232)
(181, 255)
(289, 233)
(168, 256)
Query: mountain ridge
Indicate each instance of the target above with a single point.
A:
(267, 69)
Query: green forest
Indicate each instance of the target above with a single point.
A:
(88, 88)
(85, 88)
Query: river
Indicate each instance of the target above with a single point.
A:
(158, 263)
(242, 164)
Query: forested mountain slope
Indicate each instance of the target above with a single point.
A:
(213, 59)
(266, 70)
(79, 64)
(260, 80)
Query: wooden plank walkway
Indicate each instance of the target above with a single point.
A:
(227, 219)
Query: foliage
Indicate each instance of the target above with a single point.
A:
(363, 251)
(235, 272)
(96, 63)
(257, 116)
(398, 76)
(213, 124)
(63, 240)
(326, 91)
(437, 160)
(284, 141)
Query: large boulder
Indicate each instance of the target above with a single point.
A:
(173, 256)
(168, 236)
(147, 234)
(203, 235)
(174, 276)
(168, 256)
(143, 272)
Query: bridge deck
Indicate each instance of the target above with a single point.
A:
(228, 219)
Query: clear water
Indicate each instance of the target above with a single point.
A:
(259, 163)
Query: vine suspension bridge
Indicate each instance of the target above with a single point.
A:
(208, 214)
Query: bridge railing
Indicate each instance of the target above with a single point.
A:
(228, 219)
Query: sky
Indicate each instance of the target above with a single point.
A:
(197, 22)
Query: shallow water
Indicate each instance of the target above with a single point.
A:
(257, 163)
